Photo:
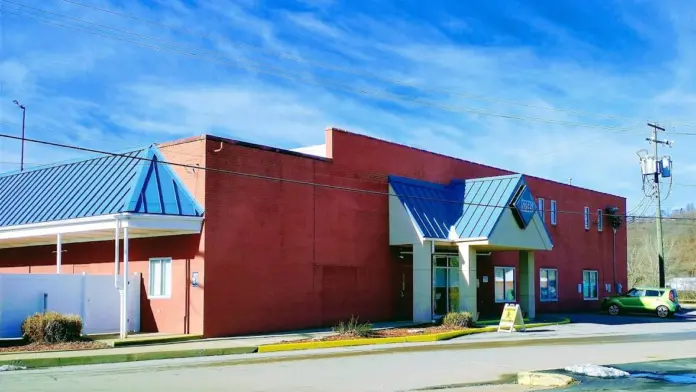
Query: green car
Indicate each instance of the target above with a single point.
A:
(663, 302)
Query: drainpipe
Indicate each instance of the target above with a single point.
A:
(613, 260)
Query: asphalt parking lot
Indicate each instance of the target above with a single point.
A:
(601, 324)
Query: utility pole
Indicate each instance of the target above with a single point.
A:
(24, 117)
(658, 217)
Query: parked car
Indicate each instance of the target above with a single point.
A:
(662, 301)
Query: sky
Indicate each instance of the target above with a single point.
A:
(558, 90)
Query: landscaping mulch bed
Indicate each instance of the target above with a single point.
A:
(34, 347)
(383, 333)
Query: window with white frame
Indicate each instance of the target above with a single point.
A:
(548, 284)
(541, 209)
(587, 218)
(590, 285)
(553, 212)
(505, 284)
(160, 278)
(600, 220)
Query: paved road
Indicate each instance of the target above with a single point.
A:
(359, 369)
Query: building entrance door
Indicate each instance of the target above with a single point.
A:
(485, 292)
(404, 289)
(445, 284)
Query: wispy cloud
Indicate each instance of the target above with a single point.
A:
(111, 94)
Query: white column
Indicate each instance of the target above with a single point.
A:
(422, 281)
(124, 289)
(59, 252)
(527, 296)
(117, 251)
(468, 301)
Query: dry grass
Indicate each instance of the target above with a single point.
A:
(383, 333)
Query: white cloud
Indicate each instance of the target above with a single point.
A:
(115, 95)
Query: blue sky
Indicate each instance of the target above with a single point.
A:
(274, 72)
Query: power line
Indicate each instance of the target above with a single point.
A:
(354, 72)
(276, 179)
(315, 80)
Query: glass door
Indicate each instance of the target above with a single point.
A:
(445, 284)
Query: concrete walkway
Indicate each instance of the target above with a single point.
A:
(217, 343)
(585, 326)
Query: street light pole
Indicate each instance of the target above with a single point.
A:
(24, 117)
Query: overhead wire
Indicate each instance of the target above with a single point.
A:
(303, 77)
(276, 179)
(354, 72)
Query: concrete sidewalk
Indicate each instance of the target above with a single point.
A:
(585, 326)
(240, 342)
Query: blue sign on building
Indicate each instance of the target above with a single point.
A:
(523, 206)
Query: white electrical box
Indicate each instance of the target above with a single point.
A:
(648, 166)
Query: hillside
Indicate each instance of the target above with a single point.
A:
(679, 238)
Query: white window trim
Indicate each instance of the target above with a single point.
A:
(541, 209)
(554, 217)
(600, 220)
(168, 285)
(587, 218)
(583, 285)
(540, 272)
(514, 283)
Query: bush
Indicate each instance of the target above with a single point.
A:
(52, 327)
(458, 320)
(353, 328)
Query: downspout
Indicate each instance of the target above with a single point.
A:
(613, 259)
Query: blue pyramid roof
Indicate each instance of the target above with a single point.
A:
(469, 208)
(137, 181)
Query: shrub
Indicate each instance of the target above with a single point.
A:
(353, 328)
(458, 320)
(52, 327)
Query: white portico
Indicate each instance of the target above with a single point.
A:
(447, 226)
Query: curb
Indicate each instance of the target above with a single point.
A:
(540, 379)
(401, 339)
(36, 363)
(155, 340)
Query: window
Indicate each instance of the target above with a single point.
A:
(505, 284)
(445, 293)
(587, 218)
(553, 212)
(160, 278)
(548, 284)
(590, 289)
(653, 293)
(635, 293)
(541, 209)
(600, 220)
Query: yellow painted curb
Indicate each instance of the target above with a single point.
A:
(539, 379)
(290, 346)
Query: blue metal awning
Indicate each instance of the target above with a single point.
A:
(138, 182)
(463, 209)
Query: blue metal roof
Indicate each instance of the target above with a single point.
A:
(99, 186)
(471, 208)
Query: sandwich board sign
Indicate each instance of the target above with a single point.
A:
(511, 319)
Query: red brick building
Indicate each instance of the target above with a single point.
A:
(269, 255)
